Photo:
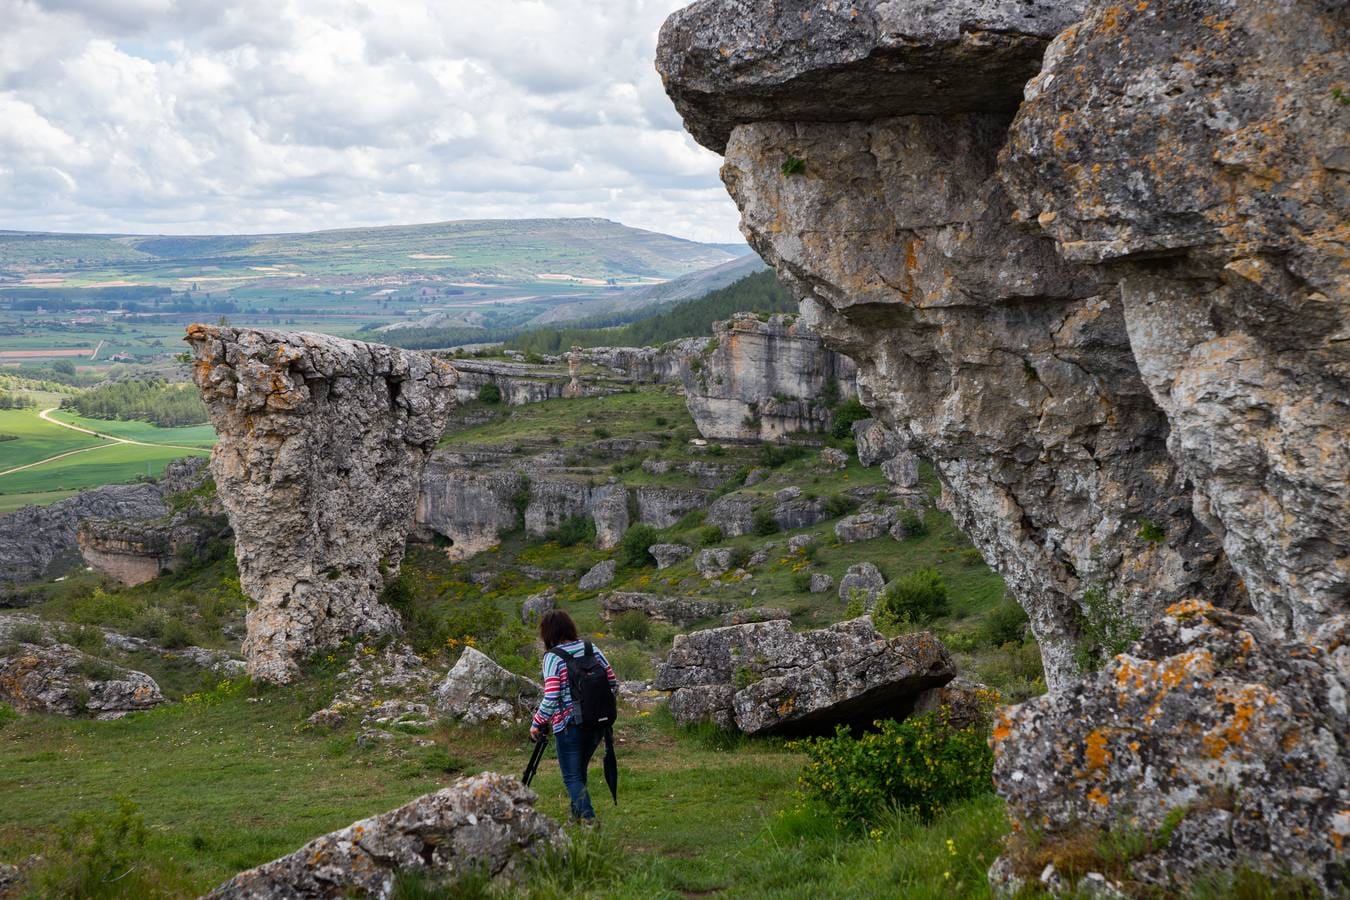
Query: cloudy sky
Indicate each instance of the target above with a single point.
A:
(211, 116)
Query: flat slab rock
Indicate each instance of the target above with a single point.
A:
(728, 62)
(487, 821)
(763, 677)
(61, 680)
(675, 610)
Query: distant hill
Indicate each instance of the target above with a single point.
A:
(585, 253)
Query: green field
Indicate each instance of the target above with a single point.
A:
(99, 461)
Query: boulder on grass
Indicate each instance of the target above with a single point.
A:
(486, 823)
(755, 614)
(863, 526)
(536, 605)
(864, 578)
(667, 555)
(675, 610)
(61, 680)
(601, 574)
(478, 690)
(821, 582)
(713, 561)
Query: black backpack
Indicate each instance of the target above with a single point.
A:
(593, 703)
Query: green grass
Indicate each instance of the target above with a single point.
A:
(11, 502)
(113, 464)
(37, 439)
(203, 436)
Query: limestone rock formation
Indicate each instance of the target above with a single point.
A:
(1007, 367)
(61, 680)
(40, 541)
(760, 380)
(470, 508)
(862, 581)
(1219, 203)
(667, 555)
(477, 690)
(675, 610)
(1224, 742)
(536, 605)
(764, 677)
(484, 822)
(600, 574)
(713, 561)
(381, 688)
(733, 513)
(750, 614)
(134, 552)
(320, 453)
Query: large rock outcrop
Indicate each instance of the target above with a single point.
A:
(320, 453)
(38, 541)
(1223, 744)
(60, 680)
(761, 380)
(1006, 366)
(483, 823)
(1217, 196)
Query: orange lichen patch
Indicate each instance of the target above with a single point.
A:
(1111, 18)
(1246, 701)
(1098, 797)
(1003, 727)
(1186, 609)
(1094, 749)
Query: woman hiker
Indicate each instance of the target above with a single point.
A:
(578, 705)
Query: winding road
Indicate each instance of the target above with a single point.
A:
(46, 416)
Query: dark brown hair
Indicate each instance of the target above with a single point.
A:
(557, 627)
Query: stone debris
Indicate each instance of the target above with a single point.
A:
(478, 690)
(486, 822)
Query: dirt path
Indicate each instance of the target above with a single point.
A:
(46, 416)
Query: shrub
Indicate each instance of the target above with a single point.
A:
(912, 523)
(573, 531)
(84, 637)
(661, 422)
(793, 166)
(920, 766)
(839, 505)
(1104, 628)
(850, 411)
(710, 534)
(27, 633)
(763, 523)
(918, 597)
(600, 432)
(99, 856)
(7, 715)
(772, 456)
(175, 635)
(633, 547)
(102, 608)
(1151, 531)
(801, 582)
(632, 625)
(1006, 624)
(490, 393)
(629, 663)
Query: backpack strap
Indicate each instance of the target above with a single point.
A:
(589, 651)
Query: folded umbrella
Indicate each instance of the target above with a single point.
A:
(611, 766)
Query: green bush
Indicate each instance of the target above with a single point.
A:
(919, 766)
(919, 597)
(840, 505)
(632, 625)
(710, 534)
(763, 523)
(772, 456)
(490, 393)
(801, 582)
(629, 662)
(573, 531)
(100, 855)
(600, 432)
(7, 715)
(1006, 624)
(913, 524)
(27, 633)
(849, 411)
(633, 547)
(1151, 531)
(1104, 628)
(102, 608)
(175, 635)
(83, 637)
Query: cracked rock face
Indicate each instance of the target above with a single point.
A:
(1005, 366)
(1196, 151)
(320, 452)
(1226, 743)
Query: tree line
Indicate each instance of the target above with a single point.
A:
(143, 399)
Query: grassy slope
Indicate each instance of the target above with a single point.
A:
(234, 778)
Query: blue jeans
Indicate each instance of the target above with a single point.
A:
(576, 746)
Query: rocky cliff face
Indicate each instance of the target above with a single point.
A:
(1112, 310)
(320, 453)
(759, 380)
(1005, 365)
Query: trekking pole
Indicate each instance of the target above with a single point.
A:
(537, 755)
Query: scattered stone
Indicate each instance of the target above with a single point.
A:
(486, 822)
(713, 561)
(601, 574)
(821, 583)
(61, 680)
(902, 470)
(863, 526)
(755, 614)
(1210, 717)
(800, 513)
(758, 558)
(865, 579)
(799, 542)
(478, 690)
(787, 494)
(639, 695)
(536, 605)
(667, 555)
(832, 459)
(371, 680)
(675, 610)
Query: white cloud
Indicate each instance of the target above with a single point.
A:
(196, 116)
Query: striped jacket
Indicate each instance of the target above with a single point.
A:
(556, 707)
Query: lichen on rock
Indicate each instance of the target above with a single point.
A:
(318, 464)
